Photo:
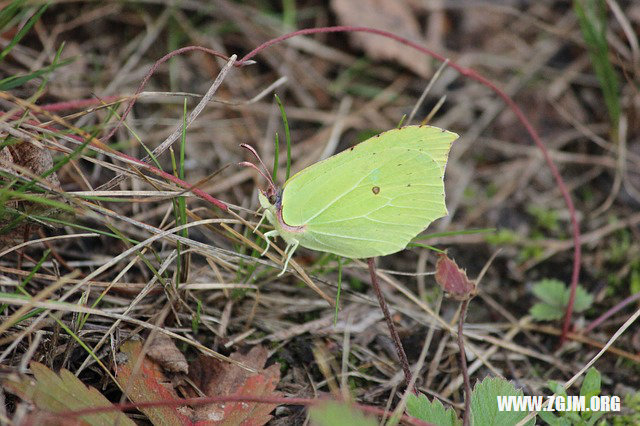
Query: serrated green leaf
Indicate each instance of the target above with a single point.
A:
(431, 411)
(484, 403)
(65, 392)
(543, 312)
(583, 300)
(551, 291)
(554, 295)
(332, 413)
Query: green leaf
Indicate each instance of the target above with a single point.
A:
(544, 312)
(65, 392)
(583, 300)
(551, 291)
(554, 295)
(335, 413)
(431, 411)
(484, 404)
(591, 384)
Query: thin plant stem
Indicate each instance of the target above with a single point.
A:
(402, 356)
(463, 364)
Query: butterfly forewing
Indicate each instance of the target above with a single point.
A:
(373, 199)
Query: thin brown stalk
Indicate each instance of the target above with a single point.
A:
(402, 356)
(463, 364)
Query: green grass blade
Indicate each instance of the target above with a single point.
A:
(593, 24)
(23, 32)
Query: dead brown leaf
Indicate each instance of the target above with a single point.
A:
(23, 159)
(393, 16)
(144, 381)
(163, 351)
(219, 378)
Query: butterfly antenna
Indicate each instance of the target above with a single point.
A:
(264, 172)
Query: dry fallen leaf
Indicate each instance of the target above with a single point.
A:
(163, 351)
(23, 159)
(392, 16)
(55, 393)
(219, 378)
(144, 381)
(213, 378)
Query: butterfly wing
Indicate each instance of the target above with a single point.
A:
(372, 199)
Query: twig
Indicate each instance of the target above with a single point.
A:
(402, 356)
(611, 311)
(463, 363)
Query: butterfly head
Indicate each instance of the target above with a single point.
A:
(271, 197)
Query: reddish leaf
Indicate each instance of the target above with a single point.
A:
(219, 378)
(144, 381)
(453, 280)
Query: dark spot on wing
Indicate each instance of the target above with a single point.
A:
(375, 190)
(408, 185)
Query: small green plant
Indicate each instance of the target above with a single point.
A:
(554, 297)
(434, 412)
(590, 387)
(545, 218)
(484, 406)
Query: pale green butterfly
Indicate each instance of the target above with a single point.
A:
(369, 200)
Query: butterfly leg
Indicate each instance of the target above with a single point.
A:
(268, 234)
(260, 223)
(288, 251)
